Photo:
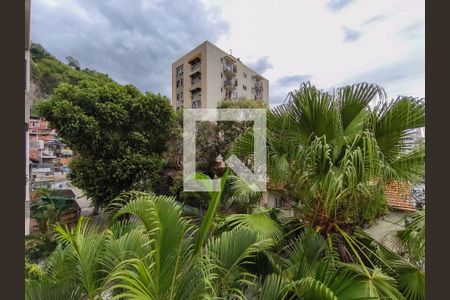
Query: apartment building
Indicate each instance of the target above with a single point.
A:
(206, 75)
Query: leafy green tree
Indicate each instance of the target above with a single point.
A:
(333, 153)
(118, 134)
(229, 131)
(37, 52)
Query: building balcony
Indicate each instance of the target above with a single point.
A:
(197, 104)
(258, 96)
(257, 91)
(196, 98)
(258, 85)
(195, 64)
(195, 67)
(196, 84)
(229, 71)
(195, 74)
(230, 85)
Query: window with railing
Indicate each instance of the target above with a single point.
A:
(195, 66)
(195, 63)
(196, 104)
(229, 67)
(179, 70)
(180, 83)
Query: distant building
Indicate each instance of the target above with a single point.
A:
(276, 198)
(40, 130)
(205, 76)
(49, 156)
(45, 146)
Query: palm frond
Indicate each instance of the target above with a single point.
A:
(260, 223)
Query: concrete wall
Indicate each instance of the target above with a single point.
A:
(214, 81)
(269, 200)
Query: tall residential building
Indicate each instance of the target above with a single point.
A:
(206, 75)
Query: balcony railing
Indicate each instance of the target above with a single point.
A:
(196, 99)
(195, 67)
(229, 70)
(230, 84)
(258, 84)
(195, 84)
(196, 104)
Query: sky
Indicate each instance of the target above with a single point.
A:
(330, 43)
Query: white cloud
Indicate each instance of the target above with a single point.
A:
(306, 37)
(287, 41)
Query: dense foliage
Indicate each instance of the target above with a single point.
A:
(118, 133)
(47, 72)
(150, 251)
(332, 153)
(213, 139)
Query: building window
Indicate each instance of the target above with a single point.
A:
(179, 70)
(244, 87)
(245, 75)
(180, 96)
(221, 75)
(279, 201)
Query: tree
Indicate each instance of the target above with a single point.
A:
(38, 52)
(333, 153)
(47, 212)
(159, 254)
(73, 62)
(230, 130)
(118, 134)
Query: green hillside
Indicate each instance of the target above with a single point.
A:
(47, 72)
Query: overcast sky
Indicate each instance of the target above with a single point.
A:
(329, 43)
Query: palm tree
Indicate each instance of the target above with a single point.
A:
(150, 251)
(333, 152)
(411, 239)
(85, 257)
(46, 213)
(184, 263)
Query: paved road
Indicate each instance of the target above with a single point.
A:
(83, 201)
(382, 229)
